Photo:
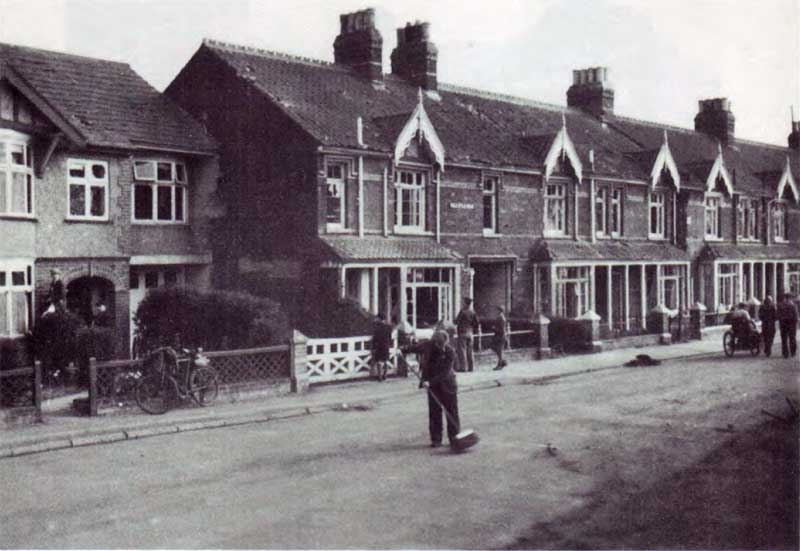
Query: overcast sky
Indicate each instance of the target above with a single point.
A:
(662, 55)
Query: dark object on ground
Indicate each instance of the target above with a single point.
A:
(643, 360)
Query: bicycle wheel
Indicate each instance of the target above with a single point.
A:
(728, 343)
(204, 385)
(153, 393)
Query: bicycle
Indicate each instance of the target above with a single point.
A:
(171, 375)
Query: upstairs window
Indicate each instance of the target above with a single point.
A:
(491, 186)
(656, 210)
(410, 199)
(555, 209)
(615, 213)
(747, 219)
(600, 214)
(336, 192)
(87, 189)
(712, 211)
(16, 175)
(159, 192)
(16, 292)
(779, 222)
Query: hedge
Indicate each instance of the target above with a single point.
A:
(570, 334)
(214, 320)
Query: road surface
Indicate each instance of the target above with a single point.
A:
(673, 456)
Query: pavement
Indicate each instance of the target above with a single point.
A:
(62, 428)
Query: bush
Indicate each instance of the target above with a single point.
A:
(570, 334)
(55, 339)
(15, 353)
(93, 342)
(213, 320)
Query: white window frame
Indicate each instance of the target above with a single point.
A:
(658, 200)
(580, 284)
(555, 194)
(490, 193)
(8, 290)
(88, 182)
(418, 191)
(712, 207)
(174, 183)
(777, 228)
(341, 185)
(792, 276)
(601, 208)
(415, 279)
(727, 283)
(747, 219)
(8, 140)
(615, 207)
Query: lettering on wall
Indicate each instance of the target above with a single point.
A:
(462, 206)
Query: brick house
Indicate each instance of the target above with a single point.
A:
(407, 194)
(101, 177)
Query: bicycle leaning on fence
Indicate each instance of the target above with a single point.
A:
(171, 375)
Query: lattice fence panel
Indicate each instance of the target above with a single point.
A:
(16, 391)
(251, 367)
(117, 385)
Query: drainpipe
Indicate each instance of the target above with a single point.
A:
(438, 206)
(385, 202)
(360, 196)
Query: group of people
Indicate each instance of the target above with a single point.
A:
(467, 325)
(785, 314)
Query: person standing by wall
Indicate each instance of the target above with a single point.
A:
(439, 377)
(767, 314)
(466, 326)
(56, 295)
(499, 339)
(381, 344)
(787, 321)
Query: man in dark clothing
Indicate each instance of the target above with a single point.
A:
(438, 375)
(767, 314)
(381, 343)
(787, 321)
(56, 294)
(466, 325)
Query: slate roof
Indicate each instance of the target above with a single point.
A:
(724, 251)
(378, 248)
(627, 251)
(105, 102)
(484, 128)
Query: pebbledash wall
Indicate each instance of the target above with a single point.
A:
(105, 249)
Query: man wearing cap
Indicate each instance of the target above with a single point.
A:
(438, 375)
(787, 322)
(56, 294)
(466, 326)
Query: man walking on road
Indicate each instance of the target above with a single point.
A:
(787, 320)
(767, 314)
(466, 325)
(438, 375)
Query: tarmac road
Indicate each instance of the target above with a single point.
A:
(674, 456)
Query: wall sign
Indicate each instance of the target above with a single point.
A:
(462, 206)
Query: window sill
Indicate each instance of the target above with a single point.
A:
(653, 237)
(87, 221)
(712, 238)
(554, 233)
(18, 217)
(401, 230)
(491, 234)
(779, 241)
(338, 229)
(153, 223)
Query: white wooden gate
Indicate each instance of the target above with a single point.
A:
(341, 358)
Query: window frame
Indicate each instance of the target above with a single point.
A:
(580, 282)
(661, 219)
(601, 198)
(419, 199)
(154, 184)
(615, 204)
(8, 289)
(779, 205)
(551, 199)
(345, 165)
(747, 219)
(494, 196)
(717, 210)
(8, 168)
(87, 184)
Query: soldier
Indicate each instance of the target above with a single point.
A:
(466, 325)
(767, 314)
(787, 321)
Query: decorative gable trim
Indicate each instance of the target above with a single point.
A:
(719, 171)
(788, 180)
(419, 124)
(41, 104)
(562, 145)
(664, 160)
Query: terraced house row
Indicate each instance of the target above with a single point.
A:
(326, 181)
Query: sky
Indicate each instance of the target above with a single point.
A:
(663, 55)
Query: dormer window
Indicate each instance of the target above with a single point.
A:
(747, 219)
(555, 210)
(656, 213)
(410, 201)
(16, 175)
(159, 192)
(712, 215)
(778, 218)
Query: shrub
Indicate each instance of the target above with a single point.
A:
(213, 320)
(15, 353)
(55, 339)
(570, 334)
(93, 342)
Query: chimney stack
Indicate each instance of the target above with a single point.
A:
(716, 119)
(591, 92)
(360, 45)
(794, 137)
(414, 58)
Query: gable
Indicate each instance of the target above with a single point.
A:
(787, 185)
(719, 177)
(419, 126)
(562, 149)
(665, 165)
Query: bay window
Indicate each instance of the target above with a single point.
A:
(16, 295)
(429, 296)
(728, 284)
(159, 192)
(555, 209)
(16, 174)
(572, 290)
(410, 206)
(87, 190)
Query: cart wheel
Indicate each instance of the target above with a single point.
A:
(755, 346)
(728, 343)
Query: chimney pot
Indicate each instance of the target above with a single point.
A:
(715, 119)
(359, 44)
(590, 92)
(415, 56)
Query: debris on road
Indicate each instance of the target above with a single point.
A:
(643, 360)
